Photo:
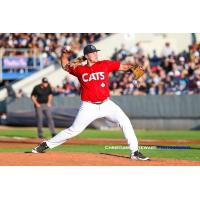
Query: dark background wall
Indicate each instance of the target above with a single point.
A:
(145, 112)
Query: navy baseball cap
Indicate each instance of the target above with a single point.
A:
(90, 49)
(44, 80)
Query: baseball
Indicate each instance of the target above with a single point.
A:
(68, 48)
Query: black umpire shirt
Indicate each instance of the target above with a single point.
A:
(41, 93)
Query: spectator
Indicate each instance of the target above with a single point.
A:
(46, 46)
(171, 75)
(73, 90)
(161, 89)
(167, 50)
(10, 91)
(168, 75)
(152, 89)
(155, 60)
(116, 90)
(191, 85)
(58, 91)
(21, 93)
(129, 89)
(137, 49)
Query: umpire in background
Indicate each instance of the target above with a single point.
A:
(42, 99)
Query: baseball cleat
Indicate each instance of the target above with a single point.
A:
(53, 134)
(41, 137)
(138, 156)
(40, 148)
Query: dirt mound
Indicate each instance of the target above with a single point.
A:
(83, 159)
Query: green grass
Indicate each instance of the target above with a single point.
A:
(92, 133)
(189, 154)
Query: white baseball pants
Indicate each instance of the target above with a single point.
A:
(89, 112)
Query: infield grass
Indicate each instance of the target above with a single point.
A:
(183, 154)
(187, 154)
(93, 133)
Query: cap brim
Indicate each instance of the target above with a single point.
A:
(93, 51)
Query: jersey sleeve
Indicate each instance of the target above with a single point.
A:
(34, 92)
(50, 90)
(112, 65)
(73, 71)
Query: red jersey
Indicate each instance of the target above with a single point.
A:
(94, 80)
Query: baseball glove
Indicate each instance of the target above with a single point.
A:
(137, 71)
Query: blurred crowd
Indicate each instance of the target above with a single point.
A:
(45, 45)
(165, 74)
(68, 88)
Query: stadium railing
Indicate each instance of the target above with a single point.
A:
(20, 63)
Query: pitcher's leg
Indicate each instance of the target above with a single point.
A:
(115, 114)
(85, 116)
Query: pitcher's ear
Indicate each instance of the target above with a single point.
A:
(85, 57)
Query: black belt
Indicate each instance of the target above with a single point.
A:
(97, 103)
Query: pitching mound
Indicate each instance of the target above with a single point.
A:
(83, 159)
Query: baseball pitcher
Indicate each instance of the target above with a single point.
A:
(94, 79)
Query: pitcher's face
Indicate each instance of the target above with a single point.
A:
(92, 57)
